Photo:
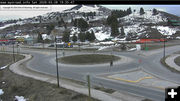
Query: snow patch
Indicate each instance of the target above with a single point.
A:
(7, 25)
(166, 30)
(74, 30)
(45, 36)
(20, 98)
(1, 92)
(132, 49)
(22, 36)
(178, 37)
(101, 33)
(134, 29)
(3, 67)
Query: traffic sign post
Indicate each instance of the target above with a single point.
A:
(13, 54)
(89, 86)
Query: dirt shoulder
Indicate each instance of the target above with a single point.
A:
(33, 90)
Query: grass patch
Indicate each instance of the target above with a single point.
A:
(107, 90)
(88, 59)
(147, 100)
(177, 61)
(6, 59)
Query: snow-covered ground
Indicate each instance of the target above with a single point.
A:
(7, 25)
(147, 17)
(101, 33)
(135, 29)
(85, 9)
(165, 30)
(12, 24)
(1, 92)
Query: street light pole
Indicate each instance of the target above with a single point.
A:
(164, 48)
(13, 53)
(57, 63)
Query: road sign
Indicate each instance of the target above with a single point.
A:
(69, 44)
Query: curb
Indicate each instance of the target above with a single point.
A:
(19, 69)
(170, 62)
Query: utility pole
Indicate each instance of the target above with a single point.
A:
(17, 48)
(13, 54)
(57, 63)
(164, 49)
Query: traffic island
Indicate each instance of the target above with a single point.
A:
(141, 78)
(87, 59)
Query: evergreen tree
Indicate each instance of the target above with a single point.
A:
(74, 38)
(88, 36)
(82, 37)
(141, 11)
(65, 25)
(40, 19)
(94, 13)
(122, 31)
(129, 11)
(50, 28)
(84, 14)
(81, 23)
(72, 21)
(113, 22)
(39, 38)
(93, 35)
(155, 12)
(66, 36)
(59, 23)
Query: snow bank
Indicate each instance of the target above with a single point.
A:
(132, 49)
(102, 48)
(3, 67)
(20, 98)
(1, 92)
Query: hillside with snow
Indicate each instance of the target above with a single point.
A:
(135, 25)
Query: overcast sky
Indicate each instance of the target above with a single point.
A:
(8, 13)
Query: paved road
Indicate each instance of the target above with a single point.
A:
(44, 61)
